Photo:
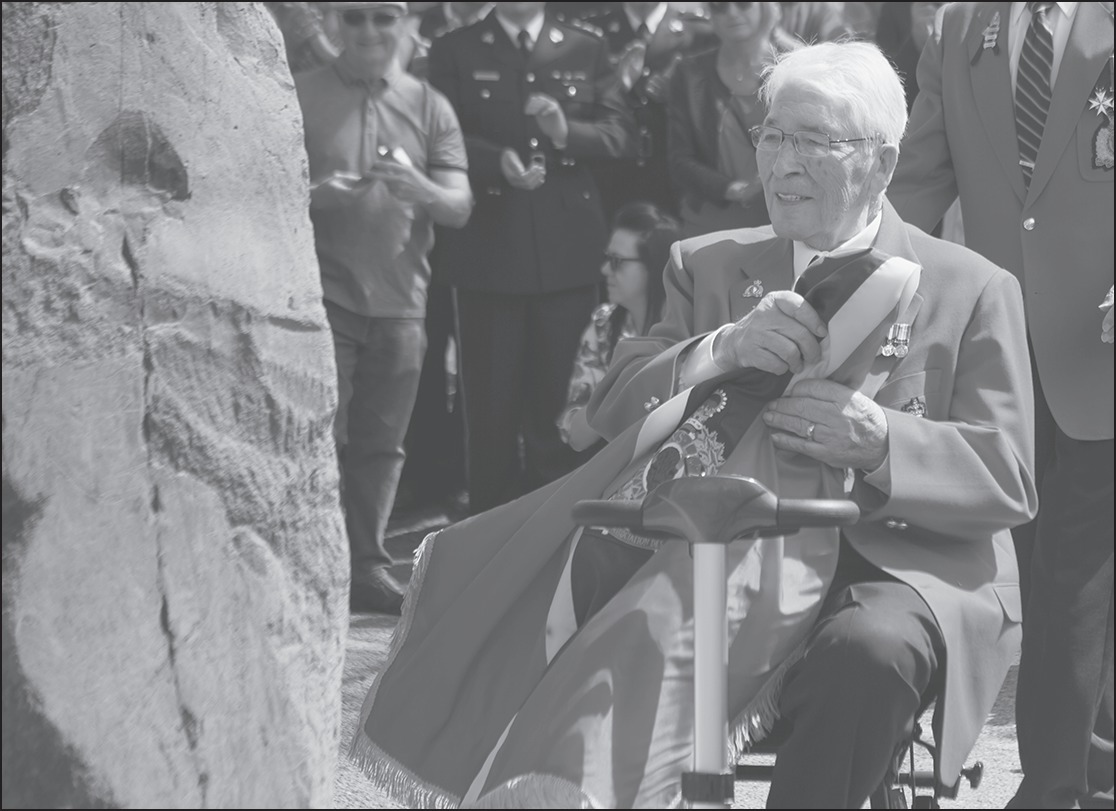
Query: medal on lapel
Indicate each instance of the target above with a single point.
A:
(754, 290)
(556, 36)
(1101, 104)
(991, 39)
(898, 341)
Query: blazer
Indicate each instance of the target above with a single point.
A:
(518, 242)
(960, 423)
(1056, 235)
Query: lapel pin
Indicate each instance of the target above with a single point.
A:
(556, 36)
(488, 38)
(915, 407)
(675, 26)
(755, 290)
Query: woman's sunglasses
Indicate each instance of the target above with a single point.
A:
(721, 8)
(615, 261)
(379, 17)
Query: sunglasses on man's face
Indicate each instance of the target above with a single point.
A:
(721, 8)
(380, 18)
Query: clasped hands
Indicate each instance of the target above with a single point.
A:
(824, 420)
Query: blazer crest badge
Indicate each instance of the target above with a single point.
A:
(1101, 104)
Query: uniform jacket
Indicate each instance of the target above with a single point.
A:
(1056, 236)
(519, 242)
(960, 419)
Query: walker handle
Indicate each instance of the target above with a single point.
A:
(794, 513)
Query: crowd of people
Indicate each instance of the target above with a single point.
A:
(496, 189)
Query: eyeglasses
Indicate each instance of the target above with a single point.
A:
(721, 8)
(615, 261)
(380, 18)
(807, 144)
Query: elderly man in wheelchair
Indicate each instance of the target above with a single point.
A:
(839, 353)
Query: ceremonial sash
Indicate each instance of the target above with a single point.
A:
(492, 696)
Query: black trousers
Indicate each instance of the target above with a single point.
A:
(871, 664)
(517, 354)
(435, 443)
(1064, 700)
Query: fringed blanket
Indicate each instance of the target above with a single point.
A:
(499, 692)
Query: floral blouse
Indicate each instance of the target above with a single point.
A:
(590, 364)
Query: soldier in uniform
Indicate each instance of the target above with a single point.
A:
(645, 42)
(536, 98)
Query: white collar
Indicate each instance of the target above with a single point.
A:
(453, 19)
(653, 19)
(533, 28)
(804, 254)
(1017, 10)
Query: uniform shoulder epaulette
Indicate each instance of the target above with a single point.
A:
(588, 28)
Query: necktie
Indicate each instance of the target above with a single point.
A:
(644, 32)
(524, 43)
(1032, 88)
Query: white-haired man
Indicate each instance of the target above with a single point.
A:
(553, 666)
(926, 584)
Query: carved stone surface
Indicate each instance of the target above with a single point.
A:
(175, 565)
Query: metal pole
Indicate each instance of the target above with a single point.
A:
(710, 663)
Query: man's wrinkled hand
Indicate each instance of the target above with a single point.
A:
(527, 179)
(831, 423)
(550, 116)
(780, 335)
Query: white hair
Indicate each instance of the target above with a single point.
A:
(856, 73)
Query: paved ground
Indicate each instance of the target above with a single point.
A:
(366, 652)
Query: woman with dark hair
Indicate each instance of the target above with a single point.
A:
(713, 102)
(637, 251)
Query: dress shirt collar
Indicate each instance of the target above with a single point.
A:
(1017, 10)
(653, 19)
(533, 28)
(804, 254)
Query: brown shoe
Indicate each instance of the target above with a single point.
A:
(377, 591)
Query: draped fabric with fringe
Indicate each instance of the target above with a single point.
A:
(492, 697)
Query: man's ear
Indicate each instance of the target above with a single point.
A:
(886, 160)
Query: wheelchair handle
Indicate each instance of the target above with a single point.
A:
(715, 509)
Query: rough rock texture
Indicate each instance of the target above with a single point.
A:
(174, 569)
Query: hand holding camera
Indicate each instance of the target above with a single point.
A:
(526, 178)
(404, 182)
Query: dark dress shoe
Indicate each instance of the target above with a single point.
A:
(377, 591)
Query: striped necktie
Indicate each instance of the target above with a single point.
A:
(1032, 88)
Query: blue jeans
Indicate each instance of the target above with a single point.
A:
(378, 365)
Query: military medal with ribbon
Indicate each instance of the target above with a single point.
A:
(898, 341)
(991, 37)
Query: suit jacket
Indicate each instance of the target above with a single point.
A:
(1056, 236)
(518, 241)
(960, 421)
